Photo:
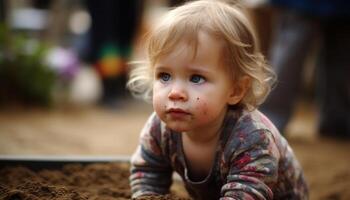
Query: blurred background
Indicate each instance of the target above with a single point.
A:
(63, 69)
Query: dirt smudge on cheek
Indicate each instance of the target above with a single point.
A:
(201, 106)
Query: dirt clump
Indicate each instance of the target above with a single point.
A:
(103, 181)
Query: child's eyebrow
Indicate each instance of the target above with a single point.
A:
(200, 70)
(161, 68)
(192, 69)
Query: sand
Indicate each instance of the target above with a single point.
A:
(105, 181)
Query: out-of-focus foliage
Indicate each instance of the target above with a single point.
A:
(24, 77)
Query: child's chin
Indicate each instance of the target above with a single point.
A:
(177, 127)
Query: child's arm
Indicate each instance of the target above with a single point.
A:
(150, 171)
(253, 167)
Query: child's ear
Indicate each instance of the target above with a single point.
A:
(239, 90)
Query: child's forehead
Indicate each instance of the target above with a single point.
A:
(182, 52)
(207, 52)
(190, 44)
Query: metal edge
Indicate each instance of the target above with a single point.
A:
(39, 162)
(65, 158)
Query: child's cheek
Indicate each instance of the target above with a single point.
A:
(201, 109)
(157, 105)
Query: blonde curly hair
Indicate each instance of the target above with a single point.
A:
(221, 19)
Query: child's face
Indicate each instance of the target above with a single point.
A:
(192, 94)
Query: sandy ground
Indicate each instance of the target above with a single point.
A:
(73, 131)
(109, 132)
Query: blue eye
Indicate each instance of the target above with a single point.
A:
(197, 79)
(164, 77)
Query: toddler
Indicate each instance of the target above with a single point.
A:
(206, 77)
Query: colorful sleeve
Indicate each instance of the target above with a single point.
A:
(150, 170)
(253, 167)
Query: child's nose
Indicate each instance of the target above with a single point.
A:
(178, 93)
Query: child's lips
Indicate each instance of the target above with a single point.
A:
(177, 113)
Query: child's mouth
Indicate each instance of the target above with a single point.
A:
(177, 113)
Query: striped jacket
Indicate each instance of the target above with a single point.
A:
(252, 161)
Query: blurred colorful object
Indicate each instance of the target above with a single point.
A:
(111, 61)
(24, 77)
(64, 62)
